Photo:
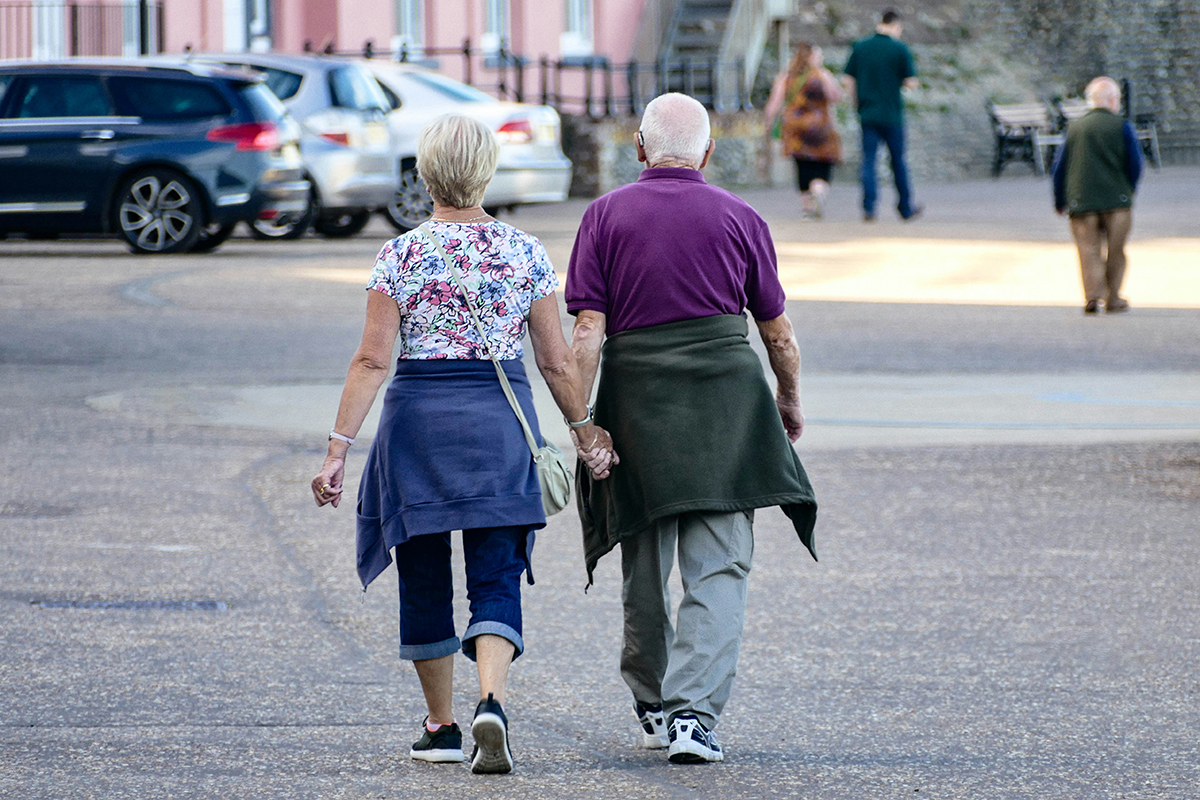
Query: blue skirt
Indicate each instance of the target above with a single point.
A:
(449, 455)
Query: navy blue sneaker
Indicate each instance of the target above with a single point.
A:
(654, 725)
(443, 745)
(692, 743)
(490, 730)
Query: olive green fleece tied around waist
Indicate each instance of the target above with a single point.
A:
(697, 429)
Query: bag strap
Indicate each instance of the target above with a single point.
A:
(508, 392)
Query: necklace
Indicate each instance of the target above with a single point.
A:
(472, 219)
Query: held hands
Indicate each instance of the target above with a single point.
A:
(595, 448)
(327, 486)
(792, 414)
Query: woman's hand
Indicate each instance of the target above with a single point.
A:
(595, 449)
(327, 486)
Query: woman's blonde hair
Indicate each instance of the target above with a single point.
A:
(456, 157)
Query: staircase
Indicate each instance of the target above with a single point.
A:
(692, 47)
(713, 47)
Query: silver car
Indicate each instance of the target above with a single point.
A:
(531, 168)
(345, 140)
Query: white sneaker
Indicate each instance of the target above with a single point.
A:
(692, 743)
(654, 726)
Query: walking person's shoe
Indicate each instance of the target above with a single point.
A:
(439, 746)
(915, 213)
(692, 743)
(1092, 307)
(490, 730)
(654, 726)
(1116, 305)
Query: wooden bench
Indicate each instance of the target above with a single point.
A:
(1144, 125)
(1020, 130)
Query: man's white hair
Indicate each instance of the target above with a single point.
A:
(675, 128)
(1103, 92)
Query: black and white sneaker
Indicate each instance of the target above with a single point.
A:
(654, 725)
(692, 743)
(440, 746)
(490, 730)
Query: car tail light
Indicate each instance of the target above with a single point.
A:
(515, 131)
(248, 135)
(337, 137)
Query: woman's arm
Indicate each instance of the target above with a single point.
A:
(559, 368)
(368, 370)
(775, 101)
(833, 92)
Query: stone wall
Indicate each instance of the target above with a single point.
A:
(1155, 44)
(604, 155)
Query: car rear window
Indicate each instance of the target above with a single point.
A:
(351, 87)
(283, 84)
(264, 105)
(450, 88)
(168, 99)
(61, 96)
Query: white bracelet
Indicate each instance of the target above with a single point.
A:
(582, 423)
(335, 435)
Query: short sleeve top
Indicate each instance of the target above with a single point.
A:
(505, 271)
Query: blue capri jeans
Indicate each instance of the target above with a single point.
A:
(495, 559)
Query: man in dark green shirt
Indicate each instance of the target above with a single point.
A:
(878, 68)
(1095, 174)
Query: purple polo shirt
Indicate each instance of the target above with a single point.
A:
(671, 247)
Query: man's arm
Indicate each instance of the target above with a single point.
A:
(783, 353)
(586, 338)
(1058, 175)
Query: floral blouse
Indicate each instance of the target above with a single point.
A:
(504, 269)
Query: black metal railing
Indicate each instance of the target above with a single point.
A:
(590, 86)
(47, 30)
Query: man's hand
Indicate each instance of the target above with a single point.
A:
(792, 414)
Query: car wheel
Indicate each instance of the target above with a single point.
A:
(412, 205)
(158, 211)
(340, 225)
(213, 236)
(289, 228)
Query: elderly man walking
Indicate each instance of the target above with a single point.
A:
(665, 268)
(1096, 172)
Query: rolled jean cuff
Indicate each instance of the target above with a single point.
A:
(496, 629)
(424, 652)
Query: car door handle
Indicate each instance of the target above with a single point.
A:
(103, 134)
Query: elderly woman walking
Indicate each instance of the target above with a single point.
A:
(450, 453)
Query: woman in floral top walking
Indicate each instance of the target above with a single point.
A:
(805, 94)
(450, 454)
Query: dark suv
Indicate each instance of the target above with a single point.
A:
(170, 158)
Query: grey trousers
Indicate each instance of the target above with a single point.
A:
(688, 667)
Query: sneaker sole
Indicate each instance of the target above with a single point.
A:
(690, 752)
(437, 756)
(491, 737)
(650, 742)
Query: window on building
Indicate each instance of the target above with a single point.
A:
(410, 28)
(496, 26)
(576, 40)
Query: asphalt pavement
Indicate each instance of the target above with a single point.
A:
(1006, 604)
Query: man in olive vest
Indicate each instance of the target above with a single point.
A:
(1095, 174)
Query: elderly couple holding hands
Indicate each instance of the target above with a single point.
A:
(683, 441)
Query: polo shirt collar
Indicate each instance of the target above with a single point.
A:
(671, 174)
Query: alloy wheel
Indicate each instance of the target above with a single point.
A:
(156, 214)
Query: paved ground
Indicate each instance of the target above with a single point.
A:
(1006, 605)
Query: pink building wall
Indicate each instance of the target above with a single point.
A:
(535, 25)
